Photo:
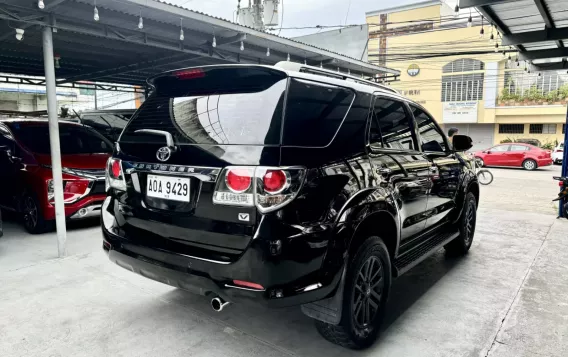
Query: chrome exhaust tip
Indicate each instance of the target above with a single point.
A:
(218, 304)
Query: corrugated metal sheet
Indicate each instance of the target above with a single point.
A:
(558, 11)
(519, 16)
(173, 18)
(540, 45)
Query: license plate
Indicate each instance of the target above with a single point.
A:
(168, 188)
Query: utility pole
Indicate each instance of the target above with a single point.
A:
(257, 15)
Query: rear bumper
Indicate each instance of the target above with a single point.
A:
(286, 280)
(544, 162)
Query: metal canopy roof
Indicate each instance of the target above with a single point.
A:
(537, 28)
(115, 50)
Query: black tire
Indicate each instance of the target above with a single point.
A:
(466, 224)
(32, 215)
(363, 303)
(530, 165)
(485, 177)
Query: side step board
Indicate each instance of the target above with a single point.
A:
(413, 257)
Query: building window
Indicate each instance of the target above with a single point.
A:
(463, 65)
(462, 87)
(542, 129)
(465, 86)
(511, 128)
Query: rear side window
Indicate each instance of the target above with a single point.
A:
(218, 106)
(314, 112)
(390, 126)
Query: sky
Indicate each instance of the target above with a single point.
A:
(300, 12)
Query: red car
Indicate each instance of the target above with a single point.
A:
(26, 184)
(526, 156)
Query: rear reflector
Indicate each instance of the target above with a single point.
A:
(248, 284)
(190, 74)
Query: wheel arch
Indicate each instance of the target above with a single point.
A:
(387, 230)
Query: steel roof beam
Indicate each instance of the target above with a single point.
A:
(464, 4)
(548, 34)
(47, 7)
(543, 54)
(548, 21)
(551, 66)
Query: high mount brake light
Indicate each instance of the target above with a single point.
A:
(190, 74)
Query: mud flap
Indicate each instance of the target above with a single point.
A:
(327, 310)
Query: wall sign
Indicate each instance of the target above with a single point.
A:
(413, 70)
(459, 112)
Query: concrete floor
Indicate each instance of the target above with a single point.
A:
(506, 298)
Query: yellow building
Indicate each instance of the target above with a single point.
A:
(465, 80)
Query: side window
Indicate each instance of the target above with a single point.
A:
(519, 148)
(500, 148)
(431, 139)
(390, 126)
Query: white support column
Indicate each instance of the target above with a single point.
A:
(49, 69)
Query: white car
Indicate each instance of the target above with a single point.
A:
(558, 154)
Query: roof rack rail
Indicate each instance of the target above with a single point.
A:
(298, 67)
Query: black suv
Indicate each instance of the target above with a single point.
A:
(286, 185)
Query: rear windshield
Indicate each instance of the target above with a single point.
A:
(240, 106)
(73, 139)
(220, 106)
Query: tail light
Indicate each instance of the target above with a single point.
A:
(269, 188)
(115, 175)
(239, 179)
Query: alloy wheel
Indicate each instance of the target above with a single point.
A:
(368, 295)
(30, 212)
(529, 165)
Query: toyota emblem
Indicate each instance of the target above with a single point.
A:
(164, 153)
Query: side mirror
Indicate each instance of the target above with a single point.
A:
(462, 142)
